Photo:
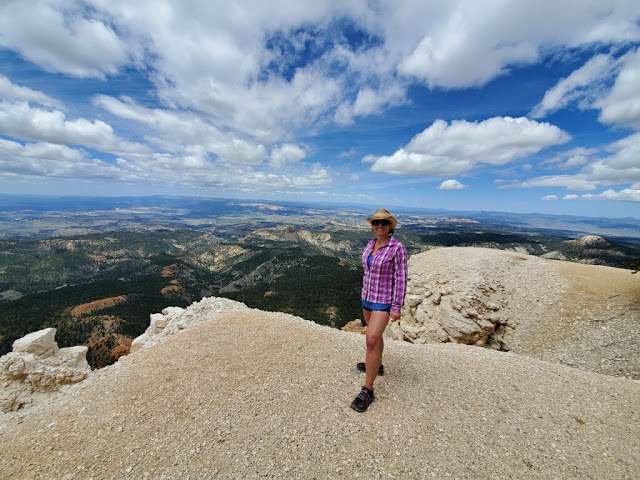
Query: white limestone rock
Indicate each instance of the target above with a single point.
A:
(73, 357)
(41, 343)
(138, 343)
(37, 368)
(174, 320)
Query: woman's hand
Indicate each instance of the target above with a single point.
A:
(394, 316)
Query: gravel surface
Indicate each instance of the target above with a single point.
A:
(591, 321)
(252, 394)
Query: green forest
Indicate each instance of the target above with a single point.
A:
(280, 276)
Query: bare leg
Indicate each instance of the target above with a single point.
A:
(366, 314)
(376, 323)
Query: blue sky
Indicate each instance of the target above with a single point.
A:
(495, 105)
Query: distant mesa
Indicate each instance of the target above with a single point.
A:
(590, 241)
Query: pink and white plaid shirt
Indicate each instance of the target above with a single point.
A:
(386, 280)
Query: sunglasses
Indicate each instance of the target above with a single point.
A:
(384, 223)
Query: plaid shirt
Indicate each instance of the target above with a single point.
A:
(386, 280)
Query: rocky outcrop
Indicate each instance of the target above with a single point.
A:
(474, 296)
(590, 241)
(554, 255)
(36, 368)
(584, 316)
(355, 326)
(10, 295)
(174, 320)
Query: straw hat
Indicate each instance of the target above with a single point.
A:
(383, 214)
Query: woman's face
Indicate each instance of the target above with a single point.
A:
(381, 227)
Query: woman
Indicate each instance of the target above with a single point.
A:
(383, 287)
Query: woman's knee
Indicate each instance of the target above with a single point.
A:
(375, 328)
(373, 340)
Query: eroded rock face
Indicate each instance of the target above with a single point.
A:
(452, 311)
(472, 296)
(36, 368)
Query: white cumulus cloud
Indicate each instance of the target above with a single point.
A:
(571, 159)
(287, 154)
(578, 182)
(608, 84)
(450, 149)
(20, 120)
(10, 91)
(627, 194)
(468, 43)
(594, 170)
(51, 160)
(621, 106)
(179, 132)
(452, 184)
(61, 37)
(586, 82)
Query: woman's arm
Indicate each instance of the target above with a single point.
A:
(400, 273)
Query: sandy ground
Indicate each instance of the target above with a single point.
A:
(258, 395)
(251, 394)
(594, 323)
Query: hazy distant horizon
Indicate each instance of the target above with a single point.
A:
(516, 106)
(316, 203)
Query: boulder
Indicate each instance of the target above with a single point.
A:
(37, 368)
(41, 343)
